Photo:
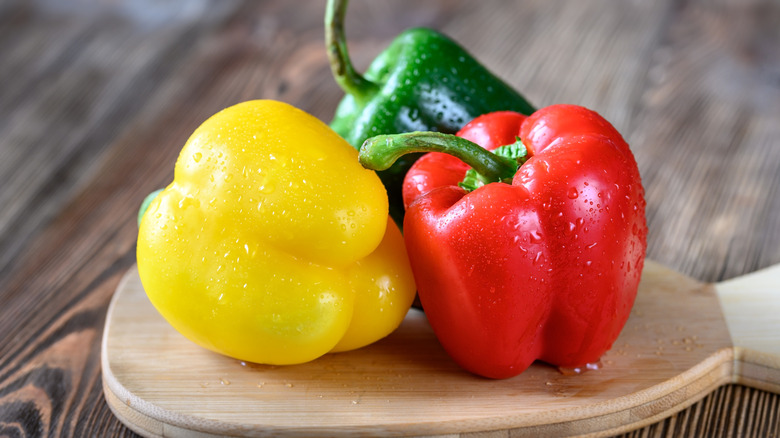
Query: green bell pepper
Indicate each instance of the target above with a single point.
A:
(423, 81)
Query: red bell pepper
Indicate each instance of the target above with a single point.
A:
(542, 259)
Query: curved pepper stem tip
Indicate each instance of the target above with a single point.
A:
(380, 152)
(346, 76)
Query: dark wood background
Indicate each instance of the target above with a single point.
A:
(98, 96)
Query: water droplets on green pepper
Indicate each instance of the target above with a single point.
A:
(423, 81)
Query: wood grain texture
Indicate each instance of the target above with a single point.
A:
(675, 349)
(96, 99)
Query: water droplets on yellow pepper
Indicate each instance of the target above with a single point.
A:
(272, 244)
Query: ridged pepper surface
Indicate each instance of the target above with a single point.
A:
(540, 255)
(272, 244)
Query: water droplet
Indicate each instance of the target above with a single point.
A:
(573, 193)
(571, 371)
(266, 188)
(197, 156)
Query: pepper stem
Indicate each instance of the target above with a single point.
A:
(380, 152)
(348, 79)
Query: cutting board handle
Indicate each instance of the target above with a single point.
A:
(751, 306)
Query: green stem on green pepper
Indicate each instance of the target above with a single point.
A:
(348, 79)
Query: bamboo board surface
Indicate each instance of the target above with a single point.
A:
(675, 349)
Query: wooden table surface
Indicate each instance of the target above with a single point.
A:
(97, 98)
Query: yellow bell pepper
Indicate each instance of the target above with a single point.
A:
(273, 244)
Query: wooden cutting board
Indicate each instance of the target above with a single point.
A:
(683, 340)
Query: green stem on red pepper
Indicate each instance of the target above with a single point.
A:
(545, 268)
(343, 71)
(380, 152)
(423, 81)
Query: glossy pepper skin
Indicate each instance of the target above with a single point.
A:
(545, 265)
(423, 81)
(272, 244)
